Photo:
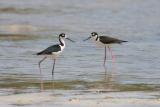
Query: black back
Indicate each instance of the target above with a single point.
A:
(49, 50)
(110, 40)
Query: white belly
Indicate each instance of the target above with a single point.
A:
(54, 55)
(99, 44)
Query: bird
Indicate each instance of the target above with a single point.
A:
(105, 41)
(52, 52)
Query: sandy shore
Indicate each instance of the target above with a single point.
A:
(82, 99)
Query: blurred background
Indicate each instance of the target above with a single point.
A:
(27, 27)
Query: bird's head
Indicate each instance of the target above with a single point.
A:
(93, 36)
(64, 36)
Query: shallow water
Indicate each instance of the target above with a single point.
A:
(28, 27)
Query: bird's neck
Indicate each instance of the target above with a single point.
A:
(62, 42)
(97, 38)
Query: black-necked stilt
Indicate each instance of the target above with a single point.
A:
(104, 41)
(52, 52)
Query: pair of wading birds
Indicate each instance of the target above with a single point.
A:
(54, 50)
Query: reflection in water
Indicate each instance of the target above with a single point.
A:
(26, 83)
(109, 77)
(109, 80)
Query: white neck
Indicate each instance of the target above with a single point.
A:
(62, 42)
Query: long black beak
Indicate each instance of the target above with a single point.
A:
(70, 39)
(87, 39)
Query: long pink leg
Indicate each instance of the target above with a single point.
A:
(112, 55)
(105, 56)
(41, 84)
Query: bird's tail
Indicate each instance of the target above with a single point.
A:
(120, 42)
(124, 41)
(37, 53)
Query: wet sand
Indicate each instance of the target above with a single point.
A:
(88, 98)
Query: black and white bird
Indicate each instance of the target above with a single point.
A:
(52, 52)
(105, 41)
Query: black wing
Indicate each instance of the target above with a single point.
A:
(49, 50)
(110, 40)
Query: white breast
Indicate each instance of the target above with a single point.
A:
(62, 47)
